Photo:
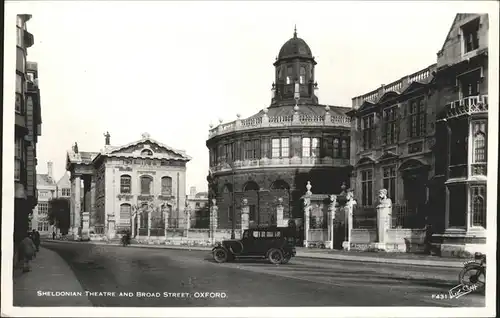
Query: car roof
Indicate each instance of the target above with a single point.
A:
(267, 228)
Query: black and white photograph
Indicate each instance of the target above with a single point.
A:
(249, 158)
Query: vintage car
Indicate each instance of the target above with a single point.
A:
(277, 244)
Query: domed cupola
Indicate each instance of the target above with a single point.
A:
(294, 68)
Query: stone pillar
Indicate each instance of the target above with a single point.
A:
(77, 217)
(132, 220)
(93, 215)
(138, 221)
(384, 213)
(245, 218)
(166, 216)
(307, 213)
(86, 225)
(348, 210)
(149, 221)
(331, 219)
(280, 221)
(213, 219)
(111, 227)
(188, 218)
(72, 207)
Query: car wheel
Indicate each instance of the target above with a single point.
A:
(286, 259)
(220, 255)
(275, 256)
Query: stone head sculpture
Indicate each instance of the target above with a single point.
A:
(382, 194)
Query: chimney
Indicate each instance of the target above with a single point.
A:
(192, 191)
(49, 169)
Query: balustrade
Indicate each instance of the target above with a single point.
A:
(467, 106)
(280, 121)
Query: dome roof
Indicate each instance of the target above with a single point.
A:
(295, 47)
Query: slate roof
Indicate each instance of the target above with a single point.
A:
(44, 180)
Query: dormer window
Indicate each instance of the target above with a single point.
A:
(146, 152)
(470, 33)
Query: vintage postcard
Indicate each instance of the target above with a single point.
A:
(249, 159)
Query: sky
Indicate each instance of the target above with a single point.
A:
(172, 68)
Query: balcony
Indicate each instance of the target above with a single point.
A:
(295, 120)
(467, 106)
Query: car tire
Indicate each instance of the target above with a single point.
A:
(286, 259)
(275, 256)
(220, 255)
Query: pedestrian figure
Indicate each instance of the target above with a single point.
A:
(28, 250)
(428, 236)
(36, 239)
(53, 235)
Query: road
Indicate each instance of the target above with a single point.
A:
(302, 282)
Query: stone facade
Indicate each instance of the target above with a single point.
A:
(462, 145)
(27, 129)
(47, 190)
(139, 187)
(417, 137)
(272, 154)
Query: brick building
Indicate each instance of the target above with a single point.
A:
(27, 129)
(273, 153)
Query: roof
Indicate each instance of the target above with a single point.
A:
(295, 47)
(146, 138)
(44, 180)
(84, 157)
(201, 194)
(64, 180)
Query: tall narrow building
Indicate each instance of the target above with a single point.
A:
(27, 129)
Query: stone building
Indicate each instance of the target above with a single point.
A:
(47, 190)
(27, 130)
(138, 187)
(392, 135)
(461, 152)
(424, 139)
(197, 203)
(269, 157)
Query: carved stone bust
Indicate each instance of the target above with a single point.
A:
(384, 201)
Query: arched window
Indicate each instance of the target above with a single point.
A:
(166, 186)
(125, 213)
(251, 186)
(146, 185)
(289, 73)
(125, 184)
(302, 78)
(280, 185)
(479, 147)
(344, 149)
(146, 152)
(336, 148)
(478, 201)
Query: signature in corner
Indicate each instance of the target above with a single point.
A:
(462, 289)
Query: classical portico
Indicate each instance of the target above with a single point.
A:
(82, 201)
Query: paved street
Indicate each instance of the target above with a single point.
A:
(302, 282)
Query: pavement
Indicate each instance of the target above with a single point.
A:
(49, 273)
(166, 277)
(367, 257)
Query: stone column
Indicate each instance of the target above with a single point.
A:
(166, 216)
(85, 225)
(132, 220)
(72, 207)
(149, 222)
(349, 209)
(139, 221)
(307, 213)
(93, 216)
(213, 219)
(279, 213)
(245, 219)
(384, 213)
(331, 218)
(188, 218)
(77, 217)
